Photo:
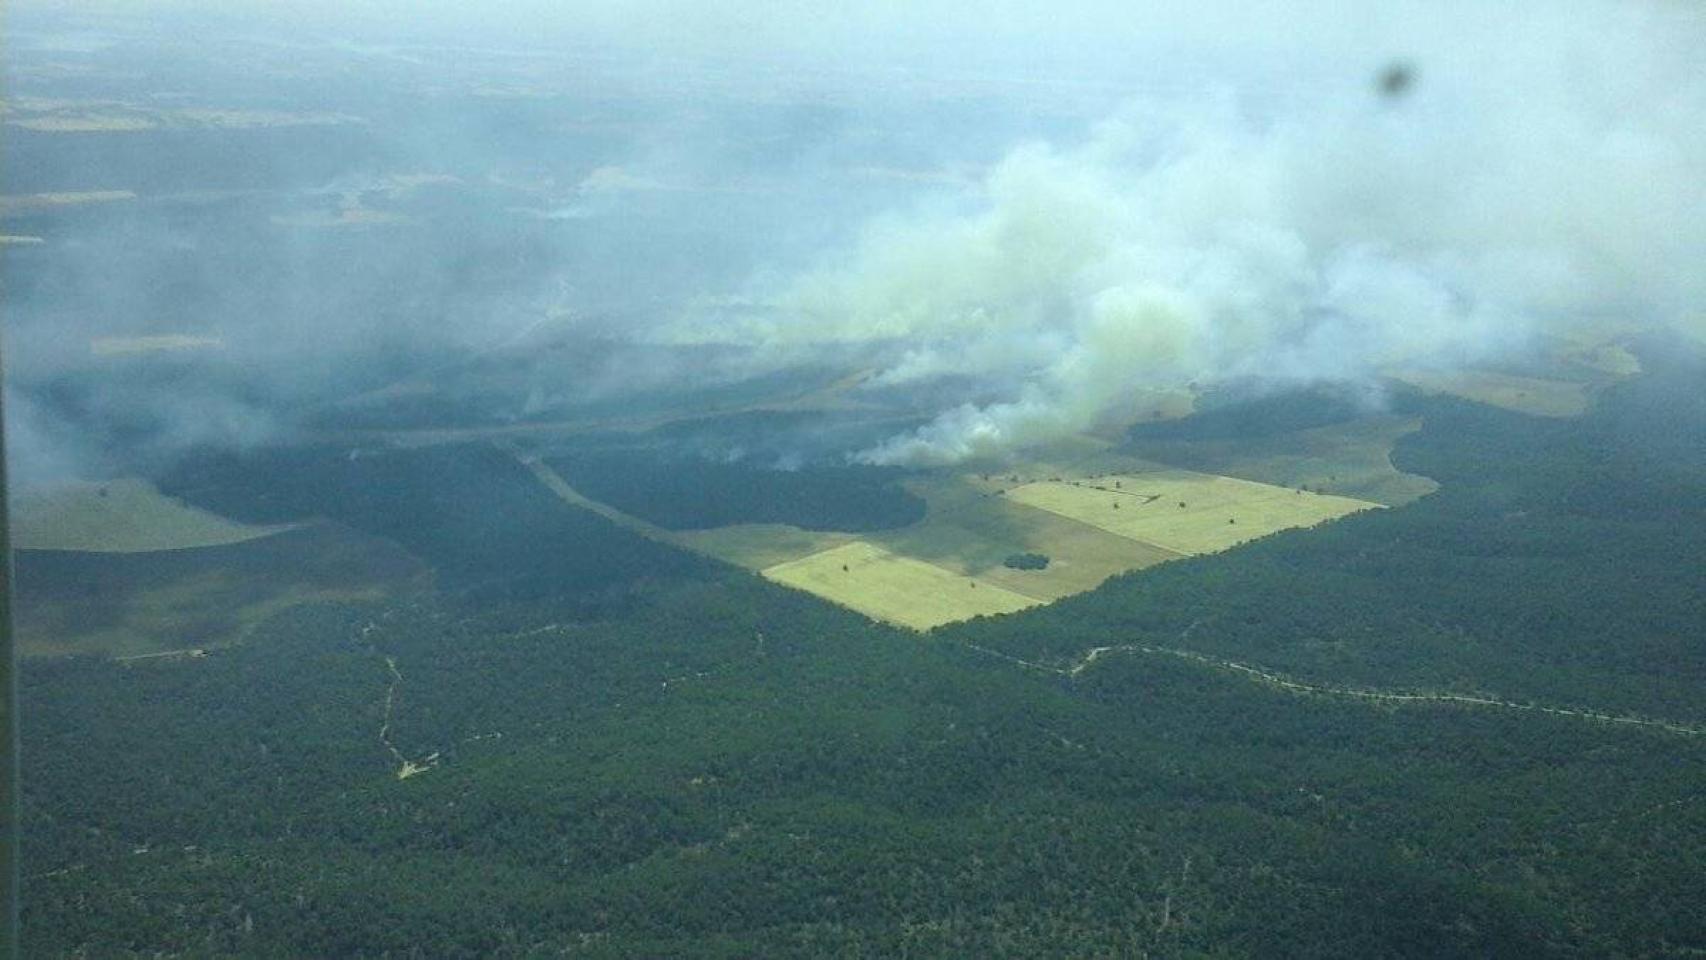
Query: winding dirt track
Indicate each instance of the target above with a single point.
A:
(1259, 675)
(406, 768)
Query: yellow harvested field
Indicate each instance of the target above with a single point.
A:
(120, 516)
(970, 531)
(899, 590)
(1183, 511)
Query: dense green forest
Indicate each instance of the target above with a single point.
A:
(650, 755)
(693, 493)
(1561, 560)
(470, 511)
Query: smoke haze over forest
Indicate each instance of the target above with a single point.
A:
(1026, 219)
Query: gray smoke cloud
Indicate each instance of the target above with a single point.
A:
(1021, 218)
(1543, 175)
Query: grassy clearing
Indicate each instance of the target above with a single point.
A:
(756, 546)
(1216, 512)
(1352, 459)
(897, 589)
(207, 611)
(1531, 395)
(107, 603)
(120, 516)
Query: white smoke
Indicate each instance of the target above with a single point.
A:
(1533, 180)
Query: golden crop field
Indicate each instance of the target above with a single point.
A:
(971, 531)
(1183, 511)
(120, 516)
(893, 588)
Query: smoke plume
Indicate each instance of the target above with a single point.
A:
(1506, 189)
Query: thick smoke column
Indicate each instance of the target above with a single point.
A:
(1552, 181)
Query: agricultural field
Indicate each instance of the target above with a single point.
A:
(894, 588)
(965, 536)
(1181, 510)
(920, 575)
(969, 530)
(1351, 459)
(1537, 396)
(121, 516)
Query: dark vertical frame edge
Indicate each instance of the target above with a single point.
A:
(9, 848)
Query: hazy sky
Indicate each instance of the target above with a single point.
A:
(1067, 36)
(1062, 202)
